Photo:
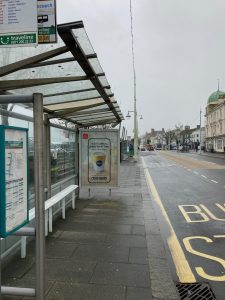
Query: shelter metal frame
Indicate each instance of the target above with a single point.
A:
(39, 231)
(81, 112)
(71, 45)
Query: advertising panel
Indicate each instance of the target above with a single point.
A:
(46, 21)
(18, 23)
(99, 158)
(14, 207)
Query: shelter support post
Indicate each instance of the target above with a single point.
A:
(77, 156)
(0, 272)
(47, 156)
(39, 196)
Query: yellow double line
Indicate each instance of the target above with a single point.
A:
(183, 269)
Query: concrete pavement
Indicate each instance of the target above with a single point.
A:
(109, 248)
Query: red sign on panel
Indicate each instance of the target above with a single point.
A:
(85, 136)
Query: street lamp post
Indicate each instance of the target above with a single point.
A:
(200, 136)
(135, 129)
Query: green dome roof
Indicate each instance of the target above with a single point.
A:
(215, 96)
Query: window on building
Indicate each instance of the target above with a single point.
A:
(219, 144)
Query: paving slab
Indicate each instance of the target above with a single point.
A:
(138, 255)
(70, 291)
(121, 274)
(137, 293)
(66, 270)
(102, 253)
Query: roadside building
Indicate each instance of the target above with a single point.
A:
(155, 138)
(215, 122)
(185, 136)
(195, 136)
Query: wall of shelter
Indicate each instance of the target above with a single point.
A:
(63, 160)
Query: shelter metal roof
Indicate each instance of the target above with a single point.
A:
(68, 74)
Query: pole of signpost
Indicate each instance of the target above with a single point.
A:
(39, 196)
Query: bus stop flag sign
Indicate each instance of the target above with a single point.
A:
(18, 23)
(46, 21)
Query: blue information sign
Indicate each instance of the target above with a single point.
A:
(14, 204)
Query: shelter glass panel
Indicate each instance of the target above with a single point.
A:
(62, 154)
(52, 71)
(56, 88)
(96, 65)
(71, 97)
(82, 38)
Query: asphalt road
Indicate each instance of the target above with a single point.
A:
(189, 192)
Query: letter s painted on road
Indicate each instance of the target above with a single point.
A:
(200, 270)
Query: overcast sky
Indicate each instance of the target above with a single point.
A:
(179, 54)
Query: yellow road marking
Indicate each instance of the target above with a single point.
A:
(183, 269)
(190, 162)
(199, 269)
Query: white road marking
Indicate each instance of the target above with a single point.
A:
(214, 181)
(196, 172)
(204, 176)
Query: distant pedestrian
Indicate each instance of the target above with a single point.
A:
(196, 147)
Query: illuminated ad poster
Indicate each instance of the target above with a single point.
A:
(99, 158)
(18, 23)
(46, 21)
(14, 206)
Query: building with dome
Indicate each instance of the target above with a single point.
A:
(215, 122)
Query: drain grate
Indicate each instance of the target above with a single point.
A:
(195, 291)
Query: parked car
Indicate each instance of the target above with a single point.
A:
(150, 148)
(158, 146)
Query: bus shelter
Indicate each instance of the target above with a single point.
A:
(65, 88)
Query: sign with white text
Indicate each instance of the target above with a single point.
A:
(14, 207)
(99, 158)
(18, 23)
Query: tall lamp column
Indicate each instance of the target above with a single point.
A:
(135, 129)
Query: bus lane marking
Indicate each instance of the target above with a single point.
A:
(203, 214)
(182, 266)
(199, 213)
(200, 271)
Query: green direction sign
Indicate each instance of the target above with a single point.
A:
(18, 39)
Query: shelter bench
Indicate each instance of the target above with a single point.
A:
(59, 197)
